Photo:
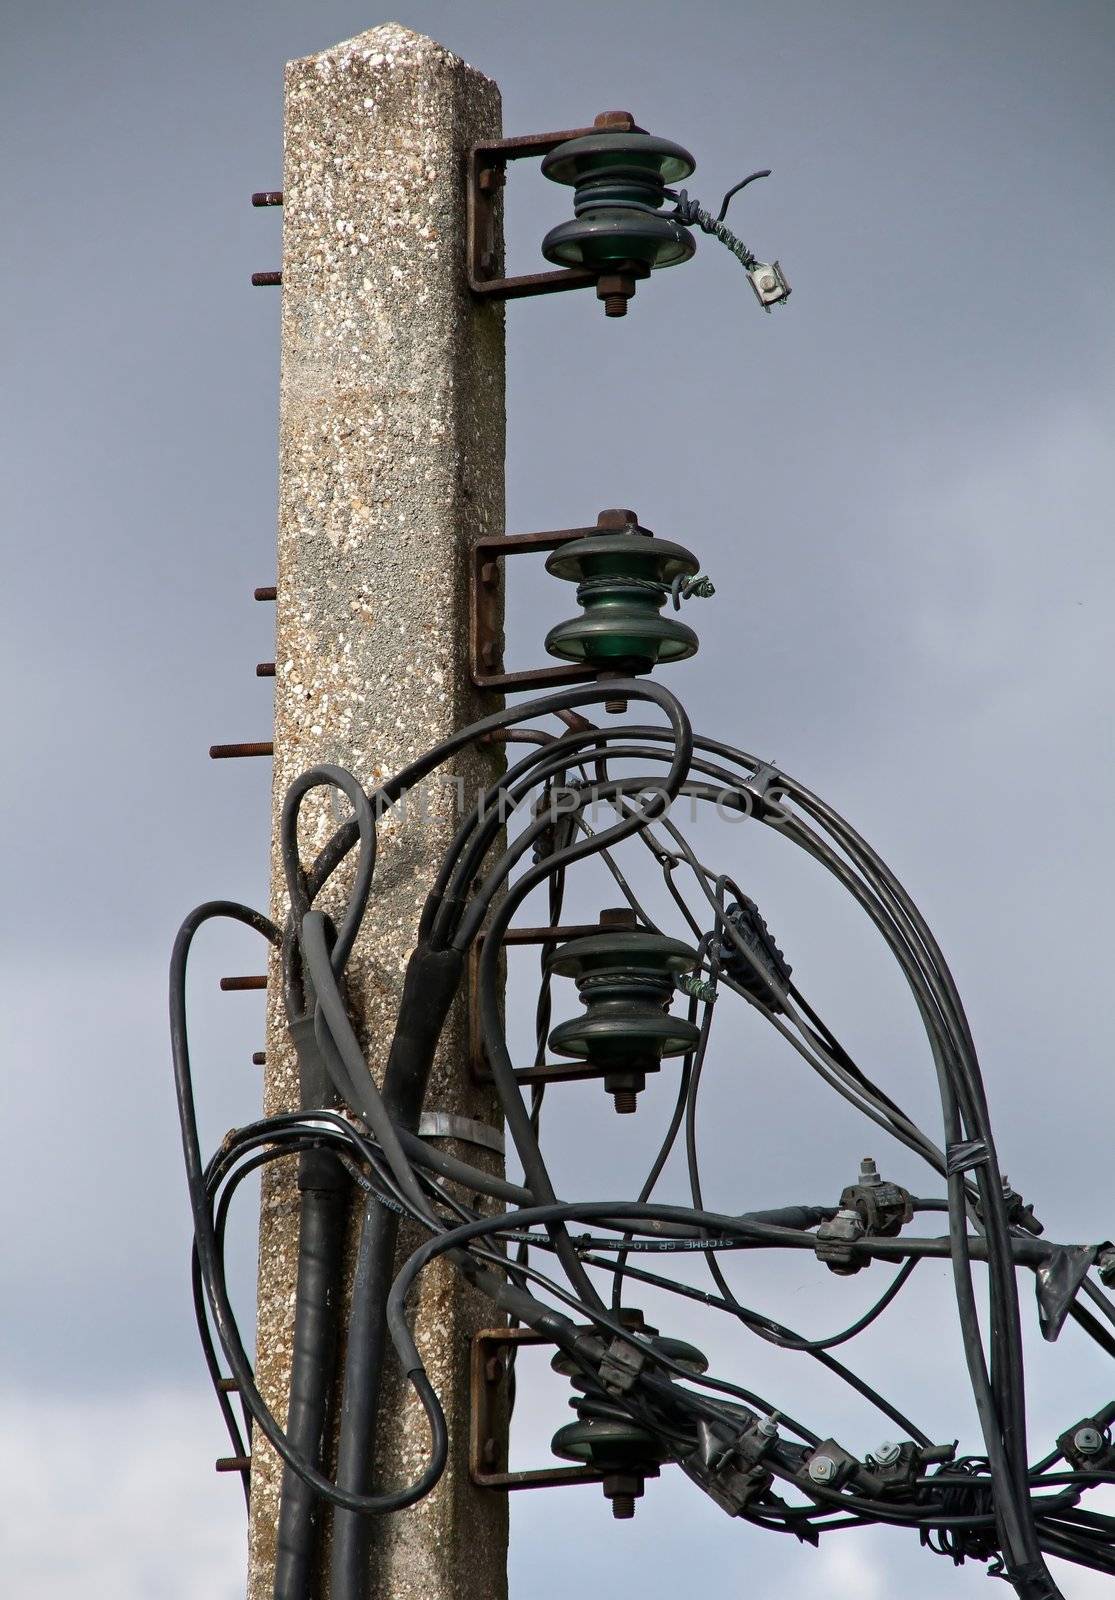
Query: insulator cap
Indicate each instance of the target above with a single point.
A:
(608, 1444)
(641, 153)
(635, 554)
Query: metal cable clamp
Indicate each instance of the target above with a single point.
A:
(447, 1125)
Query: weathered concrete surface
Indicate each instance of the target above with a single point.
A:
(391, 463)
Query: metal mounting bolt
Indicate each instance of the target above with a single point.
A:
(622, 1489)
(615, 289)
(1089, 1441)
(617, 518)
(822, 1469)
(622, 121)
(868, 1171)
(228, 752)
(886, 1454)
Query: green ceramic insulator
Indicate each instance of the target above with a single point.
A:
(622, 583)
(619, 179)
(625, 977)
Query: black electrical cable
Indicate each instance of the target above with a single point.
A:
(1019, 1533)
(323, 1192)
(1004, 1296)
(517, 1117)
(428, 991)
(405, 1176)
(722, 795)
(223, 1318)
(321, 1239)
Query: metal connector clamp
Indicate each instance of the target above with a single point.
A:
(447, 1125)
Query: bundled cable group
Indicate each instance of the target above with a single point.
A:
(642, 1400)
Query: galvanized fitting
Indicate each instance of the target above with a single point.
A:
(1088, 1441)
(822, 1469)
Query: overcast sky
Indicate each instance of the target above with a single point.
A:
(901, 485)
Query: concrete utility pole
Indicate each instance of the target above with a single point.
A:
(391, 463)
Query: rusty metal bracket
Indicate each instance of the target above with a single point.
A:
(487, 578)
(492, 1351)
(487, 174)
(552, 1072)
(485, 609)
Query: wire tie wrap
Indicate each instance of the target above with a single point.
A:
(965, 1155)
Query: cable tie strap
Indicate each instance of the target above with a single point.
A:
(726, 1462)
(762, 779)
(1105, 1262)
(964, 1156)
(447, 1125)
(1056, 1283)
(621, 1365)
(766, 785)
